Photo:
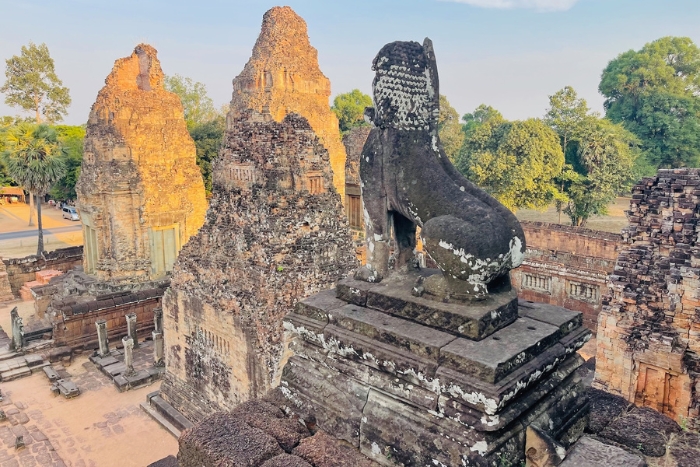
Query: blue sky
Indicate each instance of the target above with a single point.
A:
(511, 54)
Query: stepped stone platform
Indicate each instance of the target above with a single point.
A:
(419, 382)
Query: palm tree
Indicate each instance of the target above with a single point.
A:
(33, 159)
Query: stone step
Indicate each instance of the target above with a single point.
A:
(421, 340)
(175, 418)
(503, 352)
(15, 374)
(160, 419)
(473, 320)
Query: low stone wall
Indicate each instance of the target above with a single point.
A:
(21, 270)
(567, 266)
(75, 326)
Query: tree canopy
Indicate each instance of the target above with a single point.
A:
(33, 159)
(599, 156)
(655, 94)
(350, 109)
(31, 84)
(449, 129)
(198, 106)
(516, 162)
(207, 138)
(71, 139)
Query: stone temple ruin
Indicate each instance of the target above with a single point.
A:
(648, 341)
(283, 76)
(275, 233)
(140, 192)
(400, 365)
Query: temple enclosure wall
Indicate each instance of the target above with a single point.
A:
(566, 266)
(648, 340)
(75, 327)
(21, 270)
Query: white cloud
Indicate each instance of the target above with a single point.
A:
(541, 5)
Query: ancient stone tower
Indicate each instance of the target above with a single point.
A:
(140, 192)
(648, 344)
(275, 233)
(283, 76)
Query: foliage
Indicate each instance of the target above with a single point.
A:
(32, 84)
(198, 106)
(655, 94)
(516, 162)
(449, 129)
(207, 138)
(600, 156)
(71, 139)
(33, 158)
(350, 109)
(482, 114)
(606, 154)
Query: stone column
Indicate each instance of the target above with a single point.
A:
(102, 337)
(158, 319)
(17, 330)
(158, 349)
(131, 328)
(128, 355)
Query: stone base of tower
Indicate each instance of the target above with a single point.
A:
(411, 381)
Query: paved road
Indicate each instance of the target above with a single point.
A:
(33, 233)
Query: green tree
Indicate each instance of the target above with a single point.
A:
(33, 158)
(198, 106)
(449, 129)
(32, 84)
(655, 94)
(71, 139)
(482, 114)
(599, 157)
(350, 109)
(516, 162)
(606, 154)
(207, 138)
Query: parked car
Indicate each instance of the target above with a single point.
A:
(70, 213)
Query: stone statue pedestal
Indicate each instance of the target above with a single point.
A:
(420, 382)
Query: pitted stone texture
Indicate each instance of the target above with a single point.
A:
(408, 179)
(589, 452)
(283, 76)
(324, 451)
(139, 180)
(275, 234)
(225, 440)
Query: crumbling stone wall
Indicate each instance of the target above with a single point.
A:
(5, 289)
(140, 192)
(566, 266)
(283, 76)
(648, 340)
(21, 270)
(275, 233)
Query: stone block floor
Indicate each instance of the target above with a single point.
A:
(92, 429)
(113, 366)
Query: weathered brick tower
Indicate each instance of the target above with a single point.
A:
(283, 76)
(648, 341)
(275, 233)
(140, 192)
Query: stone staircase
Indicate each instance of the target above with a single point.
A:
(15, 365)
(165, 414)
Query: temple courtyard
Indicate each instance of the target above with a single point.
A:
(100, 427)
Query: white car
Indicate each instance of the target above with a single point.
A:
(70, 213)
